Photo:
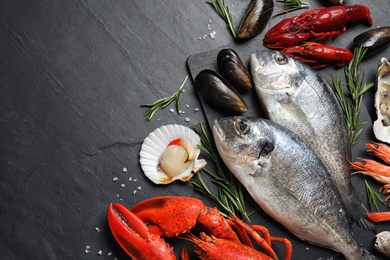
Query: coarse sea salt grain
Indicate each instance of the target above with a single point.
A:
(100, 252)
(196, 109)
(124, 169)
(123, 185)
(135, 191)
(130, 179)
(187, 119)
(171, 110)
(109, 253)
(115, 179)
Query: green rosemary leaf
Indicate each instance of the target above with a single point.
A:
(164, 102)
(293, 4)
(224, 12)
(230, 194)
(372, 196)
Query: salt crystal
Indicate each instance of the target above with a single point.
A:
(97, 229)
(196, 109)
(139, 187)
(135, 180)
(183, 90)
(86, 251)
(123, 185)
(187, 119)
(135, 191)
(172, 110)
(109, 253)
(187, 105)
(130, 179)
(117, 195)
(124, 169)
(100, 252)
(115, 178)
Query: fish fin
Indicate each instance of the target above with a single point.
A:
(295, 111)
(358, 214)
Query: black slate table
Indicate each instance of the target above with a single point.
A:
(73, 75)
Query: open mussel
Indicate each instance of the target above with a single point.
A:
(374, 40)
(382, 102)
(256, 17)
(219, 93)
(233, 70)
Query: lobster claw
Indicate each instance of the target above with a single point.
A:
(135, 237)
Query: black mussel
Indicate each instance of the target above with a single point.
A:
(233, 70)
(219, 93)
(336, 2)
(256, 17)
(375, 40)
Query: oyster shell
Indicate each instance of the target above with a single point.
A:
(382, 102)
(154, 146)
(382, 242)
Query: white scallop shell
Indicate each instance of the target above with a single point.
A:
(155, 144)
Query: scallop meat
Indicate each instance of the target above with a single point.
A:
(171, 153)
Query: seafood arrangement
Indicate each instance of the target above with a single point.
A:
(294, 164)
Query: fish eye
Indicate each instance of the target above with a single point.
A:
(242, 128)
(280, 59)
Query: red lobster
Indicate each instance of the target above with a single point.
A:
(318, 55)
(139, 231)
(319, 23)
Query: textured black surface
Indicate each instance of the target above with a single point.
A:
(73, 75)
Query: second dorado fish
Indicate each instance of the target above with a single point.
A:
(299, 98)
(288, 181)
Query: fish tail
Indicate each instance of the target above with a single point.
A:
(358, 214)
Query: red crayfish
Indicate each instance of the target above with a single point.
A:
(316, 25)
(140, 229)
(319, 55)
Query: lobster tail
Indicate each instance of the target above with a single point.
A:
(358, 12)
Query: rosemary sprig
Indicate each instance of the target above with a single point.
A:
(164, 102)
(293, 4)
(230, 196)
(372, 196)
(356, 89)
(224, 12)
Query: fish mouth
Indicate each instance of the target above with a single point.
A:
(219, 134)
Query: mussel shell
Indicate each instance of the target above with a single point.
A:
(336, 2)
(219, 93)
(233, 70)
(255, 19)
(375, 40)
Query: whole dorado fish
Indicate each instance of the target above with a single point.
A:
(297, 97)
(288, 181)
